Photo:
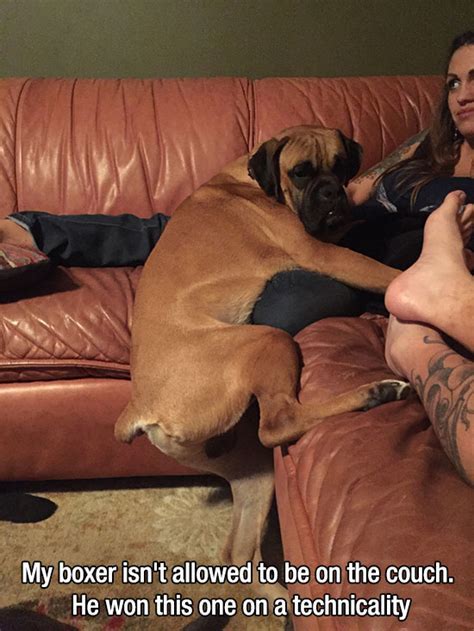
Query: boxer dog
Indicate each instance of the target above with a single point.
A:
(197, 364)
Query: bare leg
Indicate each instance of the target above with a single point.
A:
(439, 289)
(444, 381)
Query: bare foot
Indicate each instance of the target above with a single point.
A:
(11, 232)
(402, 342)
(438, 288)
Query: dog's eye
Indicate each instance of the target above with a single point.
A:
(303, 170)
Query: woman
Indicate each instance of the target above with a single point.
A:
(417, 178)
(440, 154)
(441, 371)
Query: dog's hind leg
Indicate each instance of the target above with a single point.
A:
(274, 371)
(241, 459)
(248, 467)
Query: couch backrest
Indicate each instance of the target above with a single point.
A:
(142, 146)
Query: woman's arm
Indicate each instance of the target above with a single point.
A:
(362, 187)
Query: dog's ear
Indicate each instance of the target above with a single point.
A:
(353, 157)
(264, 167)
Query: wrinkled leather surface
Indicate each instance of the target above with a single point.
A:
(76, 324)
(10, 95)
(115, 146)
(374, 487)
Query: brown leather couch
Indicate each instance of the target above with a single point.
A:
(372, 487)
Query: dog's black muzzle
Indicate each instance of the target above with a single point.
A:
(324, 205)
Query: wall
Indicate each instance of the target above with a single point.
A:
(254, 38)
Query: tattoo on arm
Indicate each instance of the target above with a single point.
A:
(447, 393)
(399, 154)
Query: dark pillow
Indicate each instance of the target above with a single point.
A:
(21, 267)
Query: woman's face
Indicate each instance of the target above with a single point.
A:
(460, 82)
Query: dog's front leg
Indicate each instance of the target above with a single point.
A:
(342, 264)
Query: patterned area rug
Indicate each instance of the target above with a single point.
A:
(108, 525)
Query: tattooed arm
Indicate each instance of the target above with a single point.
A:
(361, 188)
(444, 381)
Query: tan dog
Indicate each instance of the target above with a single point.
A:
(196, 363)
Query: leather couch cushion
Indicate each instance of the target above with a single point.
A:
(65, 430)
(374, 487)
(75, 324)
(118, 145)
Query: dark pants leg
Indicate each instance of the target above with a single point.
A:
(293, 300)
(93, 240)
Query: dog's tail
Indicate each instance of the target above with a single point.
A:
(130, 424)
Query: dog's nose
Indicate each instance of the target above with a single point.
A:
(328, 192)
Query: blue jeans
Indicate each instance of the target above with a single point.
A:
(93, 240)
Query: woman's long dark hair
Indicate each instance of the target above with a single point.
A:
(438, 153)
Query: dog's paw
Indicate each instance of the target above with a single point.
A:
(386, 391)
